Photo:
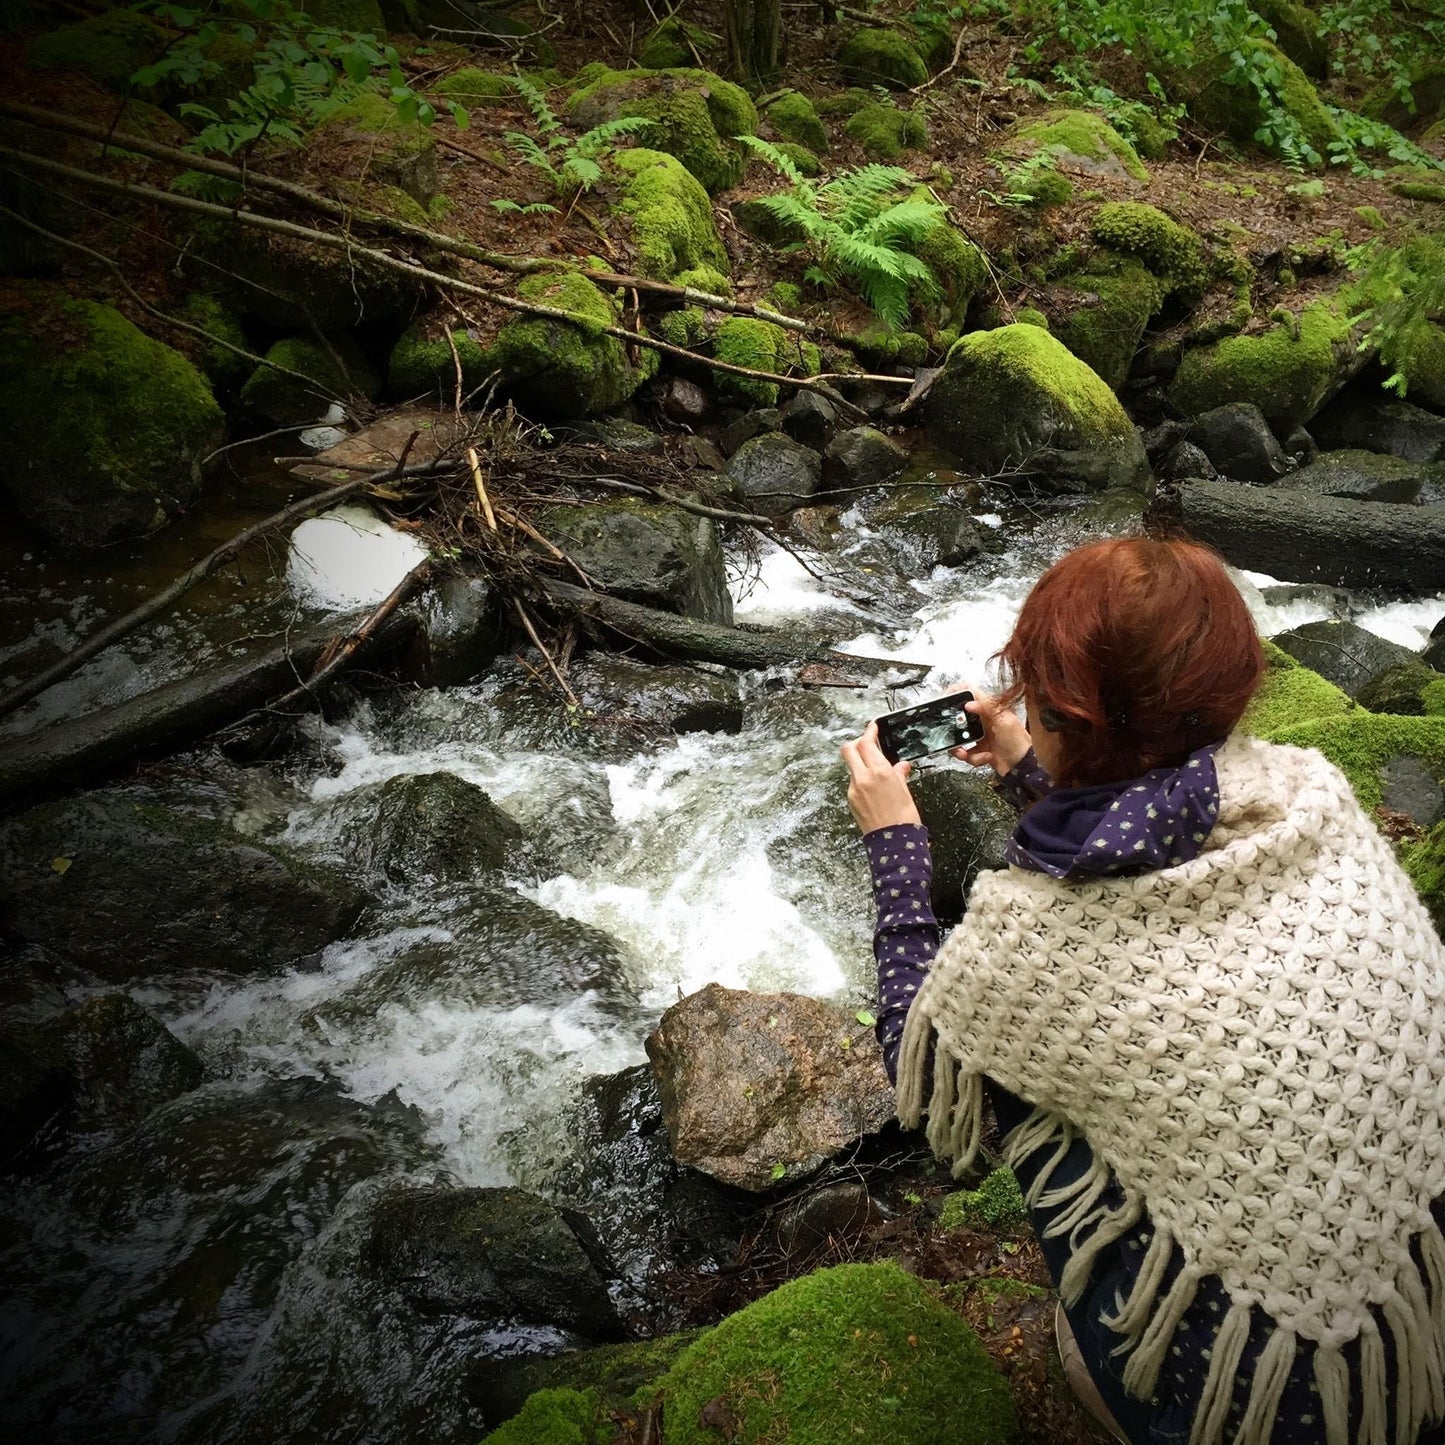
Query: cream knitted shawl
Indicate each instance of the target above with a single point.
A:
(1253, 1045)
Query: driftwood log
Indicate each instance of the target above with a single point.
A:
(1301, 538)
(694, 641)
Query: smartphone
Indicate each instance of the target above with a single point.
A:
(928, 727)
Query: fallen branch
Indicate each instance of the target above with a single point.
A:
(445, 284)
(686, 637)
(546, 656)
(482, 498)
(158, 603)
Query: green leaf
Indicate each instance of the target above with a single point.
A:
(865, 1018)
(62, 866)
(779, 1171)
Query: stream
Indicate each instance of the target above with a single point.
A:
(190, 1281)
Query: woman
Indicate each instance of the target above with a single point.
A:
(1208, 1011)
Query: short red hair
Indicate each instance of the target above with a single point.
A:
(1140, 650)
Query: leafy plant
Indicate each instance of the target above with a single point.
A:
(856, 229)
(1402, 292)
(571, 165)
(302, 72)
(532, 208)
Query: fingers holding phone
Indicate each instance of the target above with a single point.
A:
(1005, 740)
(878, 795)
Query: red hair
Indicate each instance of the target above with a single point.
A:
(1137, 651)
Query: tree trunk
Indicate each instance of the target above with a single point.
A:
(755, 38)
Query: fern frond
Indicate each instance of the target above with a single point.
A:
(906, 221)
(580, 171)
(600, 137)
(528, 150)
(780, 162)
(796, 213)
(546, 122)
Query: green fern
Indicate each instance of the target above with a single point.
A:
(571, 165)
(857, 230)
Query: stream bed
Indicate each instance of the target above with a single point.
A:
(192, 1280)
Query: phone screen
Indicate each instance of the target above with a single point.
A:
(928, 727)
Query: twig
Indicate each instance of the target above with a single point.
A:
(456, 145)
(456, 371)
(482, 498)
(557, 554)
(546, 656)
(156, 604)
(947, 69)
(265, 436)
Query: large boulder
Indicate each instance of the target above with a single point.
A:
(757, 1088)
(1101, 313)
(673, 230)
(1382, 424)
(657, 555)
(970, 824)
(862, 1351)
(1080, 141)
(130, 887)
(1368, 477)
(1017, 398)
(110, 427)
(1239, 444)
(859, 458)
(879, 57)
(1343, 652)
(774, 474)
(487, 1254)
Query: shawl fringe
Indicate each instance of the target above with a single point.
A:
(1413, 1314)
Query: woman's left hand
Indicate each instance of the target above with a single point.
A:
(878, 795)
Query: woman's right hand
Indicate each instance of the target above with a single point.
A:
(1005, 742)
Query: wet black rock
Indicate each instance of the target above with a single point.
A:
(750, 424)
(970, 824)
(34, 1083)
(1345, 653)
(834, 1214)
(487, 1254)
(129, 887)
(1408, 786)
(1301, 446)
(659, 698)
(1184, 461)
(685, 402)
(436, 825)
(774, 474)
(1364, 476)
(1237, 439)
(809, 418)
(1400, 689)
(459, 632)
(1434, 653)
(613, 433)
(945, 535)
(1395, 428)
(656, 555)
(123, 1062)
(859, 458)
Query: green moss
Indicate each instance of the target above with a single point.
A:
(564, 369)
(109, 48)
(672, 224)
(1427, 97)
(1240, 112)
(401, 152)
(1404, 690)
(473, 87)
(1171, 251)
(1085, 139)
(1297, 32)
(1289, 695)
(1361, 743)
(683, 328)
(761, 346)
(705, 278)
(115, 424)
(1424, 862)
(361, 16)
(675, 43)
(1028, 316)
(885, 132)
(844, 102)
(1287, 371)
(422, 362)
(1432, 192)
(1432, 695)
(556, 1417)
(882, 57)
(786, 297)
(794, 118)
(997, 1203)
(1371, 216)
(802, 157)
(1152, 136)
(958, 266)
(1104, 324)
(695, 114)
(882, 345)
(863, 1351)
(223, 368)
(1046, 186)
(284, 401)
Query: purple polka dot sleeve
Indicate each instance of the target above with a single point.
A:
(1026, 782)
(907, 934)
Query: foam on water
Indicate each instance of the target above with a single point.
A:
(1408, 623)
(348, 558)
(781, 588)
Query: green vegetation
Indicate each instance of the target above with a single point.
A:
(471, 87)
(1424, 862)
(571, 165)
(1291, 693)
(675, 43)
(556, 1417)
(882, 57)
(1403, 291)
(997, 1203)
(222, 367)
(1105, 324)
(1172, 252)
(1361, 743)
(337, 369)
(863, 1351)
(1084, 139)
(794, 118)
(109, 48)
(1408, 690)
(884, 131)
(672, 223)
(422, 361)
(760, 346)
(857, 230)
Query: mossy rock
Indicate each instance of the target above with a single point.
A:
(862, 1351)
(1297, 33)
(1417, 186)
(1016, 396)
(109, 48)
(673, 230)
(1410, 690)
(880, 345)
(398, 152)
(695, 116)
(1288, 372)
(885, 132)
(1080, 140)
(1239, 111)
(760, 346)
(560, 370)
(1427, 97)
(802, 157)
(685, 327)
(794, 118)
(958, 266)
(1419, 346)
(360, 16)
(1424, 861)
(1172, 252)
(707, 279)
(1103, 318)
(421, 361)
(1361, 743)
(471, 87)
(884, 57)
(114, 424)
(557, 1417)
(1291, 694)
(337, 370)
(674, 44)
(844, 102)
(997, 1203)
(222, 367)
